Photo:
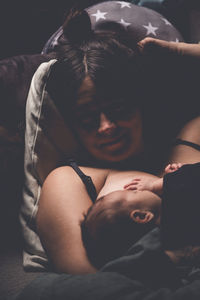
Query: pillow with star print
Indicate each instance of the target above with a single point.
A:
(140, 21)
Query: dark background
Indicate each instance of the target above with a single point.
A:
(24, 31)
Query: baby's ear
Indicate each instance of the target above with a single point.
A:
(141, 216)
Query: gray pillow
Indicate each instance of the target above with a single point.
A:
(140, 21)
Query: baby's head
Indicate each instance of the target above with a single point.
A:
(116, 221)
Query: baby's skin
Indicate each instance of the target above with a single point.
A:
(155, 186)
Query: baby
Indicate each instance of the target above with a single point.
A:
(120, 218)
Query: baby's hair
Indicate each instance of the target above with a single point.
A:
(108, 232)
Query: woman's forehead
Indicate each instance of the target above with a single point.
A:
(101, 95)
(86, 91)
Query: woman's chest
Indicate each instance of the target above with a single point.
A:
(117, 179)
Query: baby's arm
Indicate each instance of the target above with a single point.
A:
(149, 184)
(172, 168)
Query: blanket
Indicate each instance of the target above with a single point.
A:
(144, 272)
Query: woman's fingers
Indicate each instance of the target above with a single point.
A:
(153, 45)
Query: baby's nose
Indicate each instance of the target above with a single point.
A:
(105, 125)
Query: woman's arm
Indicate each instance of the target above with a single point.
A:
(152, 45)
(63, 202)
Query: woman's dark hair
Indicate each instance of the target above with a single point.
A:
(106, 55)
(108, 232)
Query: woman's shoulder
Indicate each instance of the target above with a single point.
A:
(69, 171)
(66, 175)
(191, 131)
(186, 151)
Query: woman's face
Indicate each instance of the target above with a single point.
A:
(111, 130)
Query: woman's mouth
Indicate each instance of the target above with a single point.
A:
(114, 144)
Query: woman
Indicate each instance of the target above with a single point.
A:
(101, 85)
(111, 130)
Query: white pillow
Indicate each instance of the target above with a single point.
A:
(47, 139)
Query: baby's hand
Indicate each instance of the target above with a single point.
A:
(140, 184)
(172, 168)
(146, 184)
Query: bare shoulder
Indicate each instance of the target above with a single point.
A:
(66, 176)
(191, 131)
(184, 153)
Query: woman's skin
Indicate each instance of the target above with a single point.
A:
(64, 198)
(150, 45)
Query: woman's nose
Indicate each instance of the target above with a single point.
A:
(105, 125)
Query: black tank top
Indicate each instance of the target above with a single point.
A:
(87, 180)
(190, 144)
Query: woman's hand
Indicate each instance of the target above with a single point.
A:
(151, 45)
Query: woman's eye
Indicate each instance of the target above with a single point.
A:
(88, 122)
(121, 112)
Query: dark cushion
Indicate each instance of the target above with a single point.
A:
(12, 276)
(15, 77)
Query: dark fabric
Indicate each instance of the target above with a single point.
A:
(15, 78)
(190, 144)
(12, 276)
(180, 221)
(134, 276)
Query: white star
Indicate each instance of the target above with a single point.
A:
(124, 23)
(166, 21)
(150, 29)
(99, 15)
(124, 4)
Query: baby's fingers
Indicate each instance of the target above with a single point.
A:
(131, 187)
(168, 168)
(128, 185)
(133, 183)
